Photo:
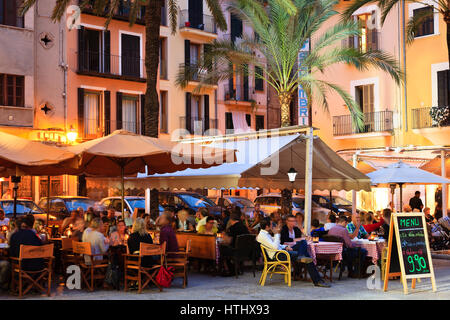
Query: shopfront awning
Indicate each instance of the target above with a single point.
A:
(264, 163)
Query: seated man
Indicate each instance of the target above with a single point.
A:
(290, 232)
(227, 246)
(317, 230)
(99, 243)
(355, 228)
(297, 252)
(26, 236)
(349, 252)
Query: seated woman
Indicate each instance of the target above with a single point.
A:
(118, 237)
(182, 222)
(166, 233)
(138, 235)
(41, 231)
(209, 227)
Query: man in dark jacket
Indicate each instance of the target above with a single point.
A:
(26, 236)
(415, 202)
(290, 232)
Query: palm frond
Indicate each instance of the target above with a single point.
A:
(173, 15)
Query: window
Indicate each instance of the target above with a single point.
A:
(130, 113)
(364, 96)
(9, 13)
(94, 50)
(229, 121)
(163, 58)
(131, 55)
(93, 119)
(259, 121)
(368, 40)
(248, 119)
(163, 119)
(259, 82)
(425, 19)
(12, 90)
(443, 87)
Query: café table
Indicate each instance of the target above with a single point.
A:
(373, 247)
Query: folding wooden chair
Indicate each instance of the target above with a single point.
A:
(34, 279)
(179, 261)
(67, 256)
(96, 269)
(134, 271)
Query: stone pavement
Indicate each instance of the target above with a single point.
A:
(204, 286)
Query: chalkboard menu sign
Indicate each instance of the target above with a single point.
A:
(413, 245)
(408, 253)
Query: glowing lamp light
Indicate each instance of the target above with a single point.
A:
(292, 174)
(72, 135)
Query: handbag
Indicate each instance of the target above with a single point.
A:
(165, 276)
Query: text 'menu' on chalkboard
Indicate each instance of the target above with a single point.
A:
(413, 245)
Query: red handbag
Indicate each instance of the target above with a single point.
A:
(165, 276)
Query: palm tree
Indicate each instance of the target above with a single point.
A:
(152, 19)
(279, 35)
(440, 6)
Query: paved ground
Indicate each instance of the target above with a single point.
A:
(203, 286)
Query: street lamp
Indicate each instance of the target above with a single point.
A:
(292, 173)
(72, 135)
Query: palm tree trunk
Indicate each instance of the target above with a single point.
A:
(151, 108)
(447, 22)
(285, 103)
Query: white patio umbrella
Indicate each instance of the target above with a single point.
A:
(401, 173)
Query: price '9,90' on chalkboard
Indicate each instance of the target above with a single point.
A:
(413, 245)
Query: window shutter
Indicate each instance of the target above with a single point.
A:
(107, 51)
(81, 49)
(206, 112)
(443, 87)
(229, 121)
(119, 110)
(81, 111)
(142, 114)
(188, 112)
(187, 52)
(107, 112)
(230, 84)
(246, 88)
(206, 50)
(10, 12)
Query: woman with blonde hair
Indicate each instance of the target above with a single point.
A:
(139, 234)
(182, 222)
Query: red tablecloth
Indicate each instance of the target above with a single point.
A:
(328, 248)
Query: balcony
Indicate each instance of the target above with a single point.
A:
(421, 118)
(201, 27)
(370, 42)
(380, 121)
(239, 93)
(196, 125)
(111, 66)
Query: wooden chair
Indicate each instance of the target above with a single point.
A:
(35, 279)
(89, 272)
(67, 256)
(179, 261)
(134, 271)
(276, 265)
(244, 250)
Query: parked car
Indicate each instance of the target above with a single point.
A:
(131, 202)
(192, 201)
(233, 201)
(272, 202)
(62, 206)
(24, 206)
(340, 205)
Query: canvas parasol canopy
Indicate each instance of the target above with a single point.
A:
(19, 157)
(124, 153)
(401, 173)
